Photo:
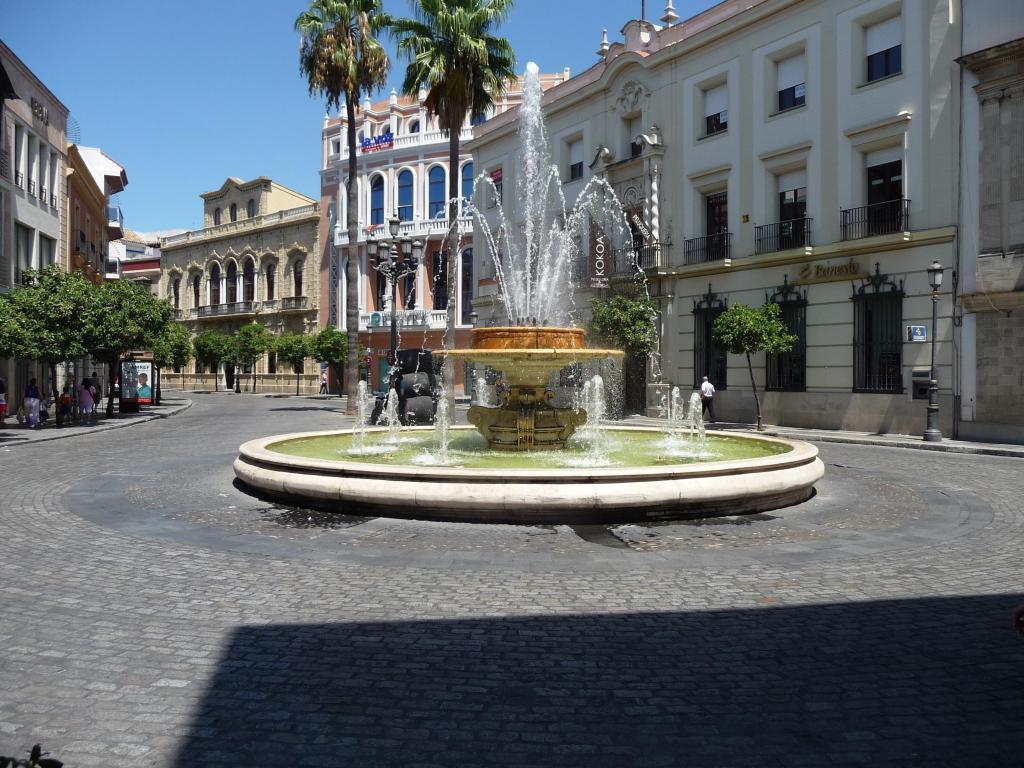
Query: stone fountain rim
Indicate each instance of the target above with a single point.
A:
(257, 452)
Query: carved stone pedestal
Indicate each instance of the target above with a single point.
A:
(526, 421)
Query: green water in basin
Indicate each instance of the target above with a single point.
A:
(468, 449)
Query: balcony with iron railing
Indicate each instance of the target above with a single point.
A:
(32, 186)
(878, 219)
(782, 235)
(433, 319)
(19, 179)
(644, 257)
(701, 250)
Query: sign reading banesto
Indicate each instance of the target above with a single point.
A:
(599, 256)
(377, 143)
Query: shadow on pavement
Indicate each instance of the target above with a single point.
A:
(921, 682)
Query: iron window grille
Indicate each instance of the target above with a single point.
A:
(877, 338)
(885, 63)
(708, 359)
(787, 372)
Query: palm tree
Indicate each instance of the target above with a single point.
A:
(453, 54)
(342, 59)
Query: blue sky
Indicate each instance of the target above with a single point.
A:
(187, 93)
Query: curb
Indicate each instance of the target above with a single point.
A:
(102, 427)
(943, 447)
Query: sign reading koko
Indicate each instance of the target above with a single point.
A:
(599, 257)
(828, 273)
(377, 143)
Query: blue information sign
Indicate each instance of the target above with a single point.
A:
(917, 333)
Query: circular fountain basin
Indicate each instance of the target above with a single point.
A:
(783, 474)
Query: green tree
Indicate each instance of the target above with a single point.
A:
(625, 323)
(213, 348)
(743, 330)
(44, 319)
(453, 53)
(251, 341)
(172, 348)
(341, 58)
(330, 346)
(293, 349)
(124, 316)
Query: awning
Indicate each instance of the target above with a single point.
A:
(6, 87)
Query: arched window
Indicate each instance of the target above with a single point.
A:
(467, 184)
(405, 196)
(232, 282)
(177, 293)
(414, 126)
(437, 192)
(377, 200)
(250, 208)
(215, 284)
(234, 212)
(196, 283)
(271, 279)
(216, 216)
(297, 272)
(249, 281)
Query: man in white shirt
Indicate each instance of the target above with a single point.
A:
(707, 398)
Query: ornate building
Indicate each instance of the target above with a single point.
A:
(256, 259)
(403, 168)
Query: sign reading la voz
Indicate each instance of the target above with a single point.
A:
(377, 143)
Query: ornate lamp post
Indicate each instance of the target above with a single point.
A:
(395, 259)
(931, 432)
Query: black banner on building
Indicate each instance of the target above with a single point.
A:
(600, 257)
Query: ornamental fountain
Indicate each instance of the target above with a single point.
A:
(521, 462)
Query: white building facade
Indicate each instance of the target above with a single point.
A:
(794, 151)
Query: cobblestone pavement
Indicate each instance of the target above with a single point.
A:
(153, 614)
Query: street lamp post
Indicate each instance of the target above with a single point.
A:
(395, 260)
(932, 434)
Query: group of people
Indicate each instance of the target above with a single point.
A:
(34, 409)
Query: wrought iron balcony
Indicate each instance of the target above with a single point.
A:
(782, 235)
(53, 201)
(294, 302)
(223, 310)
(878, 219)
(19, 179)
(644, 257)
(42, 193)
(700, 250)
(31, 186)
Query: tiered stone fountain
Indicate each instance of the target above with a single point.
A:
(528, 467)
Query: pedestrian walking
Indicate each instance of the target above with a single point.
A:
(31, 404)
(3, 401)
(323, 382)
(707, 399)
(87, 401)
(65, 404)
(97, 393)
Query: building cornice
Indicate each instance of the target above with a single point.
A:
(246, 228)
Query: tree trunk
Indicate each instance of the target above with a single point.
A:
(216, 376)
(53, 388)
(298, 376)
(254, 377)
(111, 369)
(451, 269)
(352, 267)
(757, 401)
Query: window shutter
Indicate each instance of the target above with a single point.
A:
(883, 36)
(716, 100)
(792, 180)
(882, 156)
(791, 72)
(576, 152)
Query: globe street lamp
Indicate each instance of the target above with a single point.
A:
(395, 260)
(931, 432)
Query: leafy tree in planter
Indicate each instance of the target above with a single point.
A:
(124, 316)
(743, 330)
(625, 323)
(173, 348)
(44, 319)
(251, 341)
(213, 348)
(293, 349)
(330, 346)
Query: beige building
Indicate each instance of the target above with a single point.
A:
(991, 331)
(256, 259)
(795, 151)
